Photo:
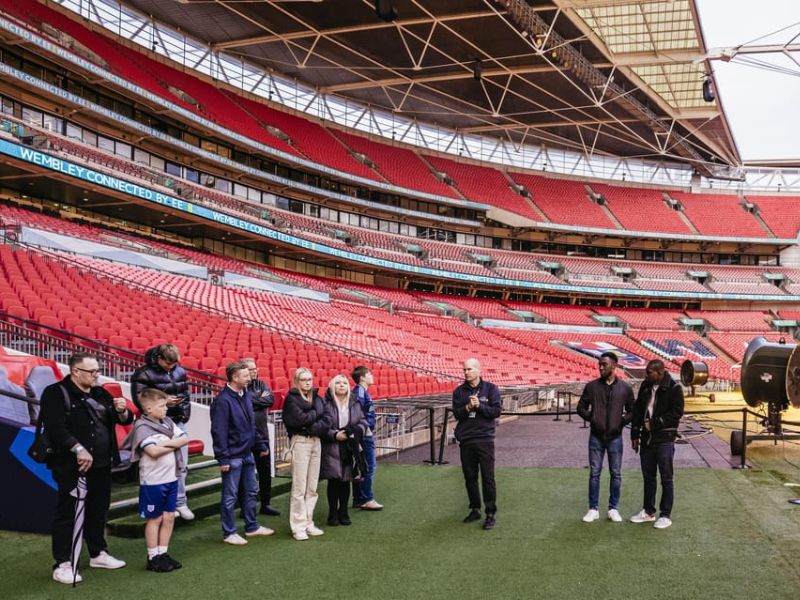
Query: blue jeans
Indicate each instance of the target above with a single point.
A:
(597, 448)
(658, 457)
(239, 483)
(362, 490)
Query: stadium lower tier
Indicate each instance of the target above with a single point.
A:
(412, 353)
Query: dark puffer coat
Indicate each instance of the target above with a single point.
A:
(334, 464)
(172, 383)
(302, 417)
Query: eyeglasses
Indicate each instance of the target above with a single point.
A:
(305, 380)
(90, 371)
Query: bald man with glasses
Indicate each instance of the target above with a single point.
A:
(80, 416)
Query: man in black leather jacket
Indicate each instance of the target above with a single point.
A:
(263, 399)
(606, 403)
(656, 415)
(162, 371)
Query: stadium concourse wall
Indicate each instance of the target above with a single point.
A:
(109, 182)
(82, 63)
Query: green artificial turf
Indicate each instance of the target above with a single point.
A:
(734, 536)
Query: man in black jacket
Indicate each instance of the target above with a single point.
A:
(476, 407)
(263, 399)
(606, 403)
(162, 372)
(80, 417)
(656, 414)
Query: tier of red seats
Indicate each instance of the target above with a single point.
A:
(399, 165)
(641, 209)
(645, 318)
(734, 320)
(115, 316)
(315, 141)
(718, 215)
(484, 184)
(564, 201)
(780, 213)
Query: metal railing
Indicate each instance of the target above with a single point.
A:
(115, 363)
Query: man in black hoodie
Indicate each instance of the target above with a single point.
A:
(656, 414)
(606, 403)
(263, 399)
(162, 372)
(476, 406)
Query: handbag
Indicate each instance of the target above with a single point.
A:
(288, 454)
(43, 447)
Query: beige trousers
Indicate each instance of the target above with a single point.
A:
(305, 475)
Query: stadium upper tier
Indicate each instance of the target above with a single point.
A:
(543, 201)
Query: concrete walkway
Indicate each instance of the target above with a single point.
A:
(539, 441)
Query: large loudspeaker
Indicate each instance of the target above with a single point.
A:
(385, 10)
(694, 373)
(771, 374)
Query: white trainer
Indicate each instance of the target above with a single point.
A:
(314, 531)
(260, 532)
(63, 574)
(300, 536)
(662, 523)
(592, 515)
(185, 513)
(613, 515)
(235, 540)
(643, 517)
(105, 561)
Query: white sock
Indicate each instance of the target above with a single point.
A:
(162, 549)
(152, 553)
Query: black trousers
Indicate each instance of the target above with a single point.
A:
(338, 497)
(98, 498)
(475, 457)
(658, 458)
(264, 477)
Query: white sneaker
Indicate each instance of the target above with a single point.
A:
(643, 517)
(314, 531)
(300, 536)
(63, 574)
(592, 515)
(260, 532)
(184, 513)
(662, 523)
(235, 539)
(613, 515)
(105, 561)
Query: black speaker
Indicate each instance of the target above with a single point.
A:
(385, 10)
(708, 91)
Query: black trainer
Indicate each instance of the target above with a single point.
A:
(157, 564)
(344, 518)
(333, 520)
(474, 515)
(175, 563)
(270, 511)
(490, 522)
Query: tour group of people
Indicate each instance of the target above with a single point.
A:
(332, 437)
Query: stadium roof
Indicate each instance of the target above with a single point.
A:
(603, 77)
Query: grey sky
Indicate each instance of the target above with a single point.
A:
(762, 106)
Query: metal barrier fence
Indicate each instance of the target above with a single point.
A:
(115, 363)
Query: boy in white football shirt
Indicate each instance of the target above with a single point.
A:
(155, 441)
